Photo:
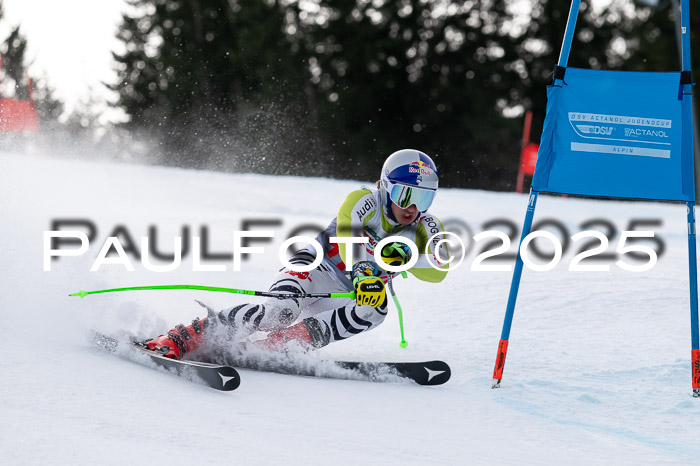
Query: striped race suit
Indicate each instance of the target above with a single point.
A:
(332, 319)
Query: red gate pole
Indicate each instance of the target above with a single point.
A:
(523, 143)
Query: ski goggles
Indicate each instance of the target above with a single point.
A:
(405, 196)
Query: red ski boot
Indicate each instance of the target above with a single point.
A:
(307, 333)
(179, 340)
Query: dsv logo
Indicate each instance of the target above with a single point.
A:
(592, 129)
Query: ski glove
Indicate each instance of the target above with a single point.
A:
(370, 291)
(369, 288)
(396, 254)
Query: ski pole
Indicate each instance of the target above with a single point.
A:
(403, 343)
(350, 294)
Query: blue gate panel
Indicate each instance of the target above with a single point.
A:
(616, 134)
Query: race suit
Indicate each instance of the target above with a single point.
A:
(333, 319)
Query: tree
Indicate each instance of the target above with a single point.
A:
(593, 46)
(652, 41)
(214, 80)
(334, 86)
(412, 73)
(13, 63)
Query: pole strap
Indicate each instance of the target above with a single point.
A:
(559, 72)
(687, 77)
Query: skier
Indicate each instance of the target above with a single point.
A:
(399, 207)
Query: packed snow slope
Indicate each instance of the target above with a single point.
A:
(598, 368)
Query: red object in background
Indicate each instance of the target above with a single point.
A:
(528, 154)
(528, 159)
(18, 116)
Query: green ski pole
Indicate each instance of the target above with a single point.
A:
(403, 343)
(350, 294)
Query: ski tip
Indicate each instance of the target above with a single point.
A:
(438, 374)
(81, 293)
(424, 373)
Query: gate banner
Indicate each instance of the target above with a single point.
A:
(616, 134)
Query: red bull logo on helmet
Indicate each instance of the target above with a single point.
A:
(420, 167)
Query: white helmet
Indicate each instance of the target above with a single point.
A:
(408, 177)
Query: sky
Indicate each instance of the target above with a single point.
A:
(69, 42)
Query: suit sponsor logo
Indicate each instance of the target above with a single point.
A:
(432, 224)
(299, 275)
(369, 205)
(371, 244)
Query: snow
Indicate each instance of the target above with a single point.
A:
(598, 368)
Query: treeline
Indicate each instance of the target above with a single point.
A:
(331, 87)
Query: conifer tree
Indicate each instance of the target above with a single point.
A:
(213, 80)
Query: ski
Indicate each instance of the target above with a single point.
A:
(218, 377)
(221, 373)
(422, 372)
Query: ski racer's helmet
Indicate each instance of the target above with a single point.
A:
(408, 177)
